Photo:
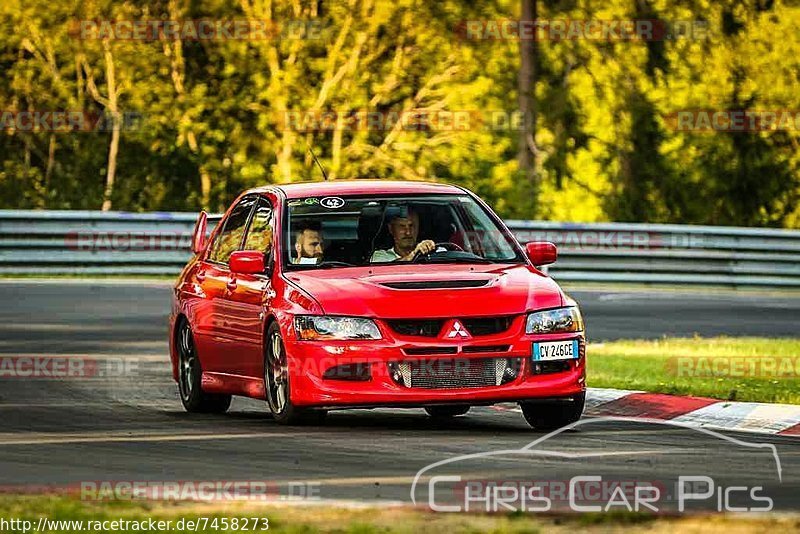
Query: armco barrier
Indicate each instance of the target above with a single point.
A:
(89, 242)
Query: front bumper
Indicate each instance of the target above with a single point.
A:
(308, 361)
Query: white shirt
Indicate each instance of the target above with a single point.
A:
(383, 256)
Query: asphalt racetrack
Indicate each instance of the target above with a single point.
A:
(131, 427)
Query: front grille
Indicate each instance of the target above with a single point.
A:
(476, 326)
(417, 327)
(457, 373)
(436, 284)
(422, 351)
(487, 326)
(473, 349)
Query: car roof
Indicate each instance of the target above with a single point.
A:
(360, 187)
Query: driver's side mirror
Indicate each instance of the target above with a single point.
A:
(541, 252)
(248, 262)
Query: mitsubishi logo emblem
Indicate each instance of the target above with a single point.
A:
(458, 330)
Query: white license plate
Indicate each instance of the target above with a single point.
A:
(555, 350)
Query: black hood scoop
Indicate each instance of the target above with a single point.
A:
(436, 284)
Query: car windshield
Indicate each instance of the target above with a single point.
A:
(329, 232)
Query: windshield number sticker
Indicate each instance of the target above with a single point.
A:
(332, 203)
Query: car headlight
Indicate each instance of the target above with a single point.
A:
(554, 321)
(322, 327)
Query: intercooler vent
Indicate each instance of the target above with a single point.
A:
(436, 284)
(456, 373)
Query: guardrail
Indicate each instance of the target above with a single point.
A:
(89, 242)
(669, 254)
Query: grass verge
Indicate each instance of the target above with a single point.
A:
(366, 520)
(741, 369)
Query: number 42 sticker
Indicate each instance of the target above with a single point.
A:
(332, 203)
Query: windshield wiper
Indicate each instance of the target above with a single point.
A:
(334, 263)
(325, 263)
(460, 259)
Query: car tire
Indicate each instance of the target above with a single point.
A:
(446, 412)
(551, 415)
(277, 386)
(190, 374)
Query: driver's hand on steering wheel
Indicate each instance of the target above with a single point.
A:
(424, 247)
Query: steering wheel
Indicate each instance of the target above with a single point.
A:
(447, 245)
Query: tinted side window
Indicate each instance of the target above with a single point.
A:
(230, 239)
(259, 235)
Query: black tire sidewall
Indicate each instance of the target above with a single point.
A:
(286, 415)
(193, 401)
(553, 415)
(291, 414)
(199, 401)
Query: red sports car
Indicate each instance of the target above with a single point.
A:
(319, 296)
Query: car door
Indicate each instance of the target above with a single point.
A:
(216, 339)
(250, 295)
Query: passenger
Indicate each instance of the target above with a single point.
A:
(309, 244)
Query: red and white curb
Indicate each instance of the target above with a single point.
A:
(758, 417)
(763, 418)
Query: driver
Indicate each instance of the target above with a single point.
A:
(404, 230)
(309, 243)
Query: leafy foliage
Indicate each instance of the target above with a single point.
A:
(213, 112)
